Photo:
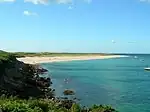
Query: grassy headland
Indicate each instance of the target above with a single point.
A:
(22, 90)
(47, 57)
(51, 54)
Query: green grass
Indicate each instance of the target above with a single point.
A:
(13, 104)
(5, 56)
(23, 54)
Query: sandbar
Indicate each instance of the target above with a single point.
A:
(38, 60)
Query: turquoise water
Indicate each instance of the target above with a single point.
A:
(120, 82)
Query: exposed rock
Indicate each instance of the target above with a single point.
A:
(39, 69)
(23, 80)
(12, 73)
(69, 92)
(43, 82)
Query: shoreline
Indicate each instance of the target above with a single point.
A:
(39, 60)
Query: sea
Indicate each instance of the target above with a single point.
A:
(119, 82)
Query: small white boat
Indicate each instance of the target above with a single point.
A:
(148, 68)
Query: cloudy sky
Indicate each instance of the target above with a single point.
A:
(75, 25)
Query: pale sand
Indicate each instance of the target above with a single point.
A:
(38, 60)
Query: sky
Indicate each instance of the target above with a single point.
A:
(93, 26)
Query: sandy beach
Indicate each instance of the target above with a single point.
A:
(38, 60)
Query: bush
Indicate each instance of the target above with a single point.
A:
(75, 108)
(13, 104)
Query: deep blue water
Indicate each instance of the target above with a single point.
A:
(120, 82)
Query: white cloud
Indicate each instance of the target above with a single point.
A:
(63, 1)
(7, 0)
(28, 13)
(45, 2)
(38, 1)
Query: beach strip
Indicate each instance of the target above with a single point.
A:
(38, 60)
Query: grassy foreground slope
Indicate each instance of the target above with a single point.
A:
(45, 105)
(12, 77)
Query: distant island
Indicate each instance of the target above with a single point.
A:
(23, 90)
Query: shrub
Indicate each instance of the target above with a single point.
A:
(13, 104)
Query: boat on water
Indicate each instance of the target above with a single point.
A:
(148, 68)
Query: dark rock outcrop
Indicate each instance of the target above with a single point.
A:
(18, 78)
(39, 70)
(69, 92)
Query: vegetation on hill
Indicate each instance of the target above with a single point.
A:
(27, 54)
(22, 90)
(4, 56)
(13, 104)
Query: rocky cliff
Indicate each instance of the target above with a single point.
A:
(18, 78)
